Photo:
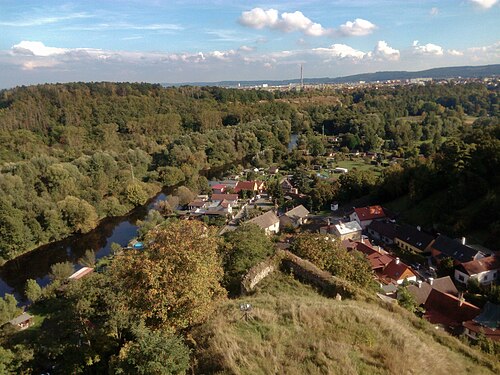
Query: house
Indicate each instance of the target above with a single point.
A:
(487, 323)
(382, 231)
(273, 170)
(231, 198)
(345, 231)
(268, 221)
(296, 217)
(365, 215)
(444, 247)
(249, 186)
(376, 256)
(219, 188)
(422, 290)
(485, 270)
(23, 321)
(287, 187)
(448, 310)
(413, 239)
(396, 272)
(81, 273)
(196, 205)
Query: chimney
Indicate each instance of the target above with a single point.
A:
(419, 282)
(431, 280)
(463, 240)
(461, 299)
(397, 260)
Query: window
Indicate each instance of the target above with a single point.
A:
(461, 277)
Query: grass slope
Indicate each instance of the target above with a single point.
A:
(295, 330)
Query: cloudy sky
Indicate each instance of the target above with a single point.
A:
(192, 40)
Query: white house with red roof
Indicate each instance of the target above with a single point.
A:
(485, 270)
(365, 215)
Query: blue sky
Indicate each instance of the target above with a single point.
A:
(183, 41)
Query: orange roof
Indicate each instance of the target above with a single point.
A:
(370, 213)
(397, 270)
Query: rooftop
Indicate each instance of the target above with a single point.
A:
(370, 212)
(21, 319)
(481, 265)
(349, 227)
(297, 212)
(455, 249)
(414, 237)
(265, 220)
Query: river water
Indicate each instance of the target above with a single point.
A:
(120, 229)
(36, 264)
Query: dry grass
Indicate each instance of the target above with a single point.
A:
(294, 330)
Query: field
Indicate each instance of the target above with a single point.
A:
(294, 330)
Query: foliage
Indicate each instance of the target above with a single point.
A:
(8, 308)
(32, 290)
(243, 248)
(406, 299)
(446, 267)
(152, 352)
(328, 254)
(88, 259)
(61, 271)
(160, 291)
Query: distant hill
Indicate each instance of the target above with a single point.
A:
(435, 73)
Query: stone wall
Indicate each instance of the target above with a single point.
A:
(302, 269)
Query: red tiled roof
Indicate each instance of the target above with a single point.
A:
(221, 197)
(396, 270)
(443, 308)
(219, 187)
(370, 213)
(492, 334)
(379, 261)
(245, 185)
(481, 265)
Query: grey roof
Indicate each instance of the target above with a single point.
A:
(414, 237)
(265, 220)
(455, 249)
(384, 228)
(298, 212)
(490, 317)
(442, 284)
(21, 319)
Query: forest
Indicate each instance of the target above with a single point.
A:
(73, 154)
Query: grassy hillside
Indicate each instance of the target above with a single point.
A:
(295, 330)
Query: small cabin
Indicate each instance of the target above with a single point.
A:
(23, 321)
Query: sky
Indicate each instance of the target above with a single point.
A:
(192, 40)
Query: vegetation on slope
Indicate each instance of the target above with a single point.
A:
(294, 330)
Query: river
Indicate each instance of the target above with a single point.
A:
(120, 229)
(36, 264)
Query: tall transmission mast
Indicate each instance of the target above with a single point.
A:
(302, 75)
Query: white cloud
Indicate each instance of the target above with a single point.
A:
(454, 52)
(342, 51)
(434, 11)
(36, 49)
(384, 51)
(485, 4)
(40, 21)
(246, 48)
(427, 49)
(259, 18)
(359, 27)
